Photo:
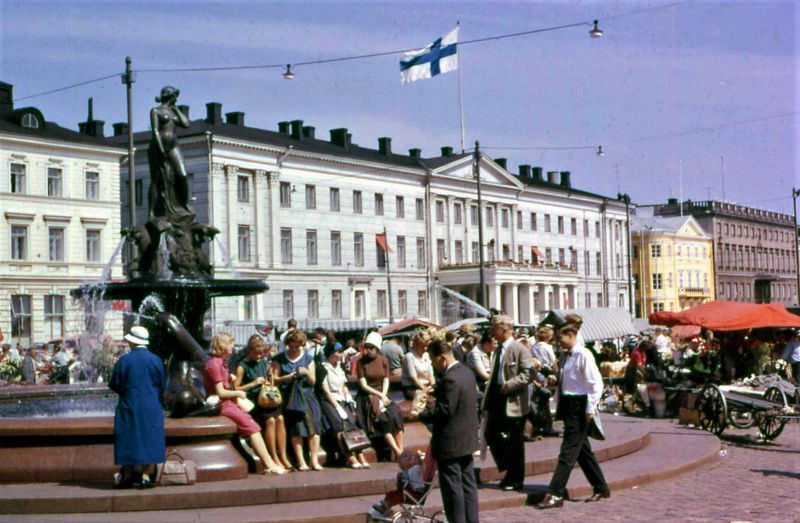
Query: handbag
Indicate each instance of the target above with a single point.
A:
(245, 404)
(177, 471)
(269, 397)
(355, 440)
(296, 402)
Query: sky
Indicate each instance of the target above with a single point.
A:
(670, 89)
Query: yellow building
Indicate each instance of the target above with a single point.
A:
(673, 263)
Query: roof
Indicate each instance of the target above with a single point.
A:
(598, 323)
(663, 224)
(49, 131)
(722, 315)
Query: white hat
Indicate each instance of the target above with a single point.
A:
(138, 335)
(374, 339)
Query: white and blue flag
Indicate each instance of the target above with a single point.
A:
(440, 56)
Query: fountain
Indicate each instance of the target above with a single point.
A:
(59, 433)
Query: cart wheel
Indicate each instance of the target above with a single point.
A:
(438, 517)
(713, 409)
(403, 516)
(776, 395)
(770, 426)
(741, 419)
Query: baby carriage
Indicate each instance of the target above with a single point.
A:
(412, 509)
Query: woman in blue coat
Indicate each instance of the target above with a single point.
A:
(139, 437)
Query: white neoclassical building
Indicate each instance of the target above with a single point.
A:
(59, 221)
(305, 214)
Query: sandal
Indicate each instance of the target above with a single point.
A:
(318, 467)
(303, 468)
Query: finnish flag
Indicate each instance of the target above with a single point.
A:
(440, 56)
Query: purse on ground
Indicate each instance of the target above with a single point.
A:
(177, 471)
(355, 440)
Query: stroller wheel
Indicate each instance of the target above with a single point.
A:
(438, 517)
(403, 516)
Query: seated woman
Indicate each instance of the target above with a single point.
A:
(338, 407)
(295, 368)
(377, 414)
(418, 378)
(253, 371)
(217, 381)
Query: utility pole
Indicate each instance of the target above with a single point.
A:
(128, 78)
(476, 170)
(627, 199)
(388, 276)
(795, 194)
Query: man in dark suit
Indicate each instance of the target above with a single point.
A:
(454, 421)
(506, 402)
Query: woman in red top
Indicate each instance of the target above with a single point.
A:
(217, 380)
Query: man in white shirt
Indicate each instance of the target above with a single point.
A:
(580, 391)
(791, 355)
(291, 326)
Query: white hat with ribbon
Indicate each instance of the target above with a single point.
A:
(138, 335)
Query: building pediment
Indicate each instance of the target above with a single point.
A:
(491, 172)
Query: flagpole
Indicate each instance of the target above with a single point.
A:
(388, 277)
(460, 91)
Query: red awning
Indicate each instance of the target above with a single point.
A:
(537, 252)
(684, 332)
(729, 316)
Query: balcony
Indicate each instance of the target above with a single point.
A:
(694, 292)
(526, 266)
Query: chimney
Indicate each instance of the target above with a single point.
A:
(91, 127)
(185, 110)
(214, 113)
(552, 177)
(340, 137)
(502, 162)
(309, 131)
(537, 174)
(385, 145)
(235, 118)
(524, 171)
(672, 201)
(415, 153)
(565, 181)
(6, 98)
(120, 128)
(447, 151)
(297, 129)
(283, 127)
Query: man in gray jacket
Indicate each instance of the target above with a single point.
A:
(506, 402)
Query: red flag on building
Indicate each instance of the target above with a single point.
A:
(381, 239)
(121, 305)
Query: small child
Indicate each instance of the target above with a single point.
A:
(409, 479)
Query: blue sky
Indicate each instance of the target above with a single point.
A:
(656, 73)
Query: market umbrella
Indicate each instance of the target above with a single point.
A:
(729, 316)
(405, 325)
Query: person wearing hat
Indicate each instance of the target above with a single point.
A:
(377, 414)
(139, 438)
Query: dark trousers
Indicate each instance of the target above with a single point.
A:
(504, 436)
(575, 448)
(459, 489)
(796, 371)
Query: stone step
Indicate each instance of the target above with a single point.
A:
(625, 436)
(672, 450)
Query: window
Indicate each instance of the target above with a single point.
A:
(92, 245)
(286, 194)
(587, 267)
(311, 246)
(492, 250)
(588, 299)
(547, 226)
(520, 253)
(92, 185)
(54, 177)
(286, 246)
(357, 205)
(401, 252)
(475, 254)
(311, 196)
(19, 242)
(457, 213)
(669, 280)
(378, 204)
(586, 228)
(243, 189)
(30, 120)
(658, 306)
(54, 316)
(598, 261)
(473, 215)
(534, 225)
(336, 248)
(596, 229)
(18, 178)
(360, 302)
(656, 280)
(655, 250)
(402, 303)
(138, 187)
(459, 248)
(382, 304)
(400, 206)
(573, 226)
(562, 257)
(599, 299)
(680, 280)
(244, 243)
(381, 254)
(441, 253)
(489, 217)
(573, 259)
(560, 225)
(56, 244)
(358, 249)
(679, 250)
(420, 209)
(506, 252)
(21, 316)
(519, 220)
(439, 211)
(548, 255)
(421, 263)
(288, 304)
(334, 199)
(336, 303)
(313, 303)
(249, 307)
(504, 218)
(422, 303)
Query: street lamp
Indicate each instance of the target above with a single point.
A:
(288, 74)
(600, 152)
(624, 197)
(595, 31)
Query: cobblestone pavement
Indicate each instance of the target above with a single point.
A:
(752, 482)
